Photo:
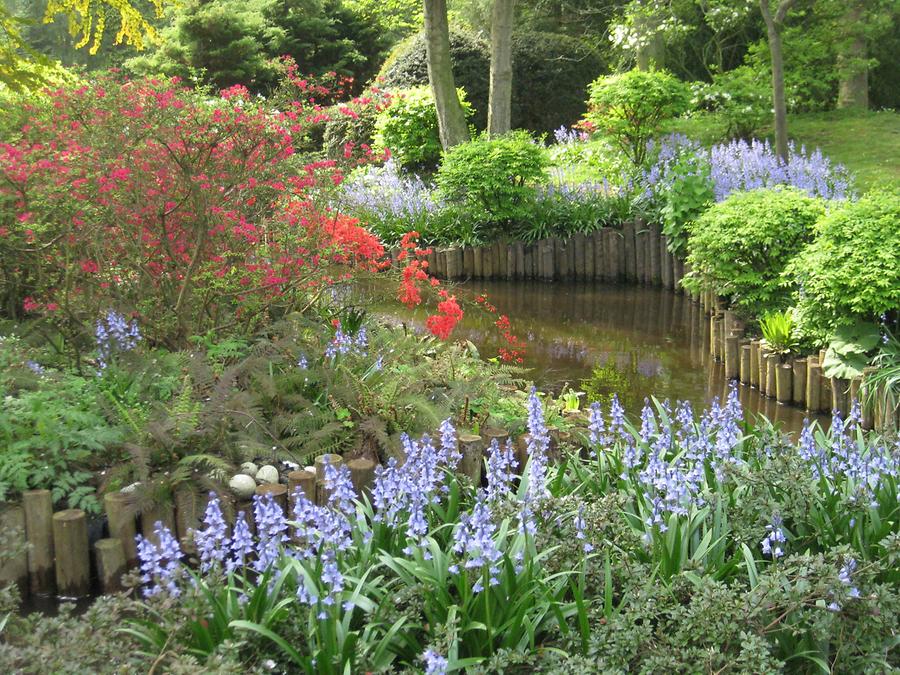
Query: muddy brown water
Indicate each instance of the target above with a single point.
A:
(633, 341)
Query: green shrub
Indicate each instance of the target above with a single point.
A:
(688, 194)
(408, 127)
(495, 177)
(740, 98)
(851, 270)
(630, 107)
(741, 246)
(546, 67)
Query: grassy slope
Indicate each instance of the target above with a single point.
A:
(866, 143)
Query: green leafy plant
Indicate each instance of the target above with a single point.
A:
(408, 127)
(849, 349)
(494, 177)
(849, 270)
(740, 247)
(630, 107)
(688, 195)
(778, 331)
(741, 100)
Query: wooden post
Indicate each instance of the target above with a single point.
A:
(38, 507)
(499, 260)
(616, 255)
(163, 513)
(577, 243)
(321, 493)
(487, 262)
(471, 448)
(121, 517)
(468, 262)
(840, 388)
(732, 365)
(279, 495)
(528, 260)
(745, 365)
(772, 363)
(322, 460)
(798, 368)
(15, 568)
(306, 481)
(655, 271)
(678, 274)
(826, 397)
(628, 249)
(754, 363)
(188, 515)
(110, 565)
(764, 352)
(813, 384)
(868, 417)
(590, 261)
(478, 262)
(600, 271)
(641, 262)
(784, 377)
(665, 262)
(362, 474)
(499, 435)
(546, 251)
(73, 562)
(520, 259)
(510, 268)
(562, 259)
(521, 449)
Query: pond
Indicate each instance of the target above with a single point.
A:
(633, 341)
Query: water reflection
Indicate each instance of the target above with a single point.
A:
(630, 340)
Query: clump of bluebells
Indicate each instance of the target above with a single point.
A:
(114, 334)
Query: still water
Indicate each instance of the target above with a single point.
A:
(633, 341)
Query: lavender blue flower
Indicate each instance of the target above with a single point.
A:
(772, 543)
(212, 542)
(241, 544)
(160, 564)
(114, 334)
(435, 664)
(271, 529)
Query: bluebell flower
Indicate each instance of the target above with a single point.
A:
(271, 530)
(435, 664)
(501, 465)
(114, 334)
(160, 564)
(241, 544)
(212, 542)
(772, 543)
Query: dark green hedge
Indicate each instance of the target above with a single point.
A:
(551, 73)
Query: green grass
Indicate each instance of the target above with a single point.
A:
(868, 144)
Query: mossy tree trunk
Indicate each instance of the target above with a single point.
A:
(451, 118)
(500, 101)
(774, 24)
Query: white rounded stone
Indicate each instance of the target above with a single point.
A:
(267, 474)
(242, 485)
(249, 468)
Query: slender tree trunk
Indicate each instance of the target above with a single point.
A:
(451, 118)
(853, 85)
(773, 28)
(500, 100)
(651, 53)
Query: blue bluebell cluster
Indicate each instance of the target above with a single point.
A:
(212, 541)
(435, 664)
(346, 343)
(114, 334)
(160, 563)
(772, 543)
(388, 195)
(741, 165)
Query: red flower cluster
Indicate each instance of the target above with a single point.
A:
(449, 314)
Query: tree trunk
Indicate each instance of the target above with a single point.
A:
(853, 86)
(451, 118)
(500, 101)
(651, 53)
(773, 28)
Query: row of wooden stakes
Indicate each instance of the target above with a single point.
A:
(636, 253)
(54, 555)
(790, 379)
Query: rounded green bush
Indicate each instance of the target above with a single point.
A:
(741, 246)
(408, 127)
(494, 178)
(630, 107)
(851, 270)
(550, 75)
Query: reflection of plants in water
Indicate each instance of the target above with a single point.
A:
(623, 377)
